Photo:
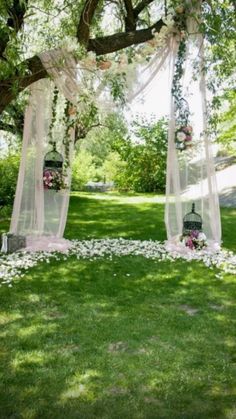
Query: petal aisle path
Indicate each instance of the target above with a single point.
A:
(15, 265)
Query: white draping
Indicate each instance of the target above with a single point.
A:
(39, 212)
(190, 173)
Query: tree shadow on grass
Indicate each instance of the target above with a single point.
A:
(114, 338)
(92, 218)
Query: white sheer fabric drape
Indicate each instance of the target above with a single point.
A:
(190, 173)
(40, 212)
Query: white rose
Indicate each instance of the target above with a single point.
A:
(201, 237)
(181, 136)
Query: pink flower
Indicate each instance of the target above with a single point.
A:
(189, 243)
(188, 138)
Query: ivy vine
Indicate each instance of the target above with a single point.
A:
(67, 120)
(51, 140)
(180, 103)
(69, 123)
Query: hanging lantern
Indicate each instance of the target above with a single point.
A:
(52, 170)
(192, 222)
(53, 160)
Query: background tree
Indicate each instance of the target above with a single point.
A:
(83, 170)
(227, 124)
(145, 169)
(111, 155)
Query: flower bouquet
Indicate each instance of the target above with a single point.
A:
(194, 240)
(183, 137)
(53, 179)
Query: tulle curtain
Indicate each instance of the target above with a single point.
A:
(190, 173)
(38, 211)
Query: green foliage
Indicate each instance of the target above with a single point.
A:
(145, 168)
(227, 124)
(138, 166)
(112, 168)
(83, 170)
(9, 167)
(117, 86)
(219, 28)
(110, 135)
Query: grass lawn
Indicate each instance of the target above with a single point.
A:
(123, 337)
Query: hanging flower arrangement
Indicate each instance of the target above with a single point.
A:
(183, 137)
(195, 240)
(54, 180)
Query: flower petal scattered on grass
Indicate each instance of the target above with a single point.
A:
(15, 265)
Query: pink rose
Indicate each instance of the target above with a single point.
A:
(188, 138)
(189, 243)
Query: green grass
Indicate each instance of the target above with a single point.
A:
(123, 337)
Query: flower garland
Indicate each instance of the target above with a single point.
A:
(184, 132)
(51, 141)
(140, 54)
(69, 121)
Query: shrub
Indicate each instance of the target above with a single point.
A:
(9, 167)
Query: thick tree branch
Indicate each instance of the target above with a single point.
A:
(15, 21)
(86, 17)
(36, 71)
(141, 6)
(130, 21)
(112, 43)
(100, 46)
(16, 14)
(9, 128)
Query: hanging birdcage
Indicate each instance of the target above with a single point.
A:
(192, 222)
(52, 170)
(53, 160)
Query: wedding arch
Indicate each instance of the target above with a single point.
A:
(43, 188)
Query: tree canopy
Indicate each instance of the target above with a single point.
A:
(29, 27)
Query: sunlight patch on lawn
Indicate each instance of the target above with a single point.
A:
(9, 317)
(139, 199)
(81, 386)
(36, 329)
(32, 358)
(33, 298)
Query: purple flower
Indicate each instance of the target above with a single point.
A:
(194, 234)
